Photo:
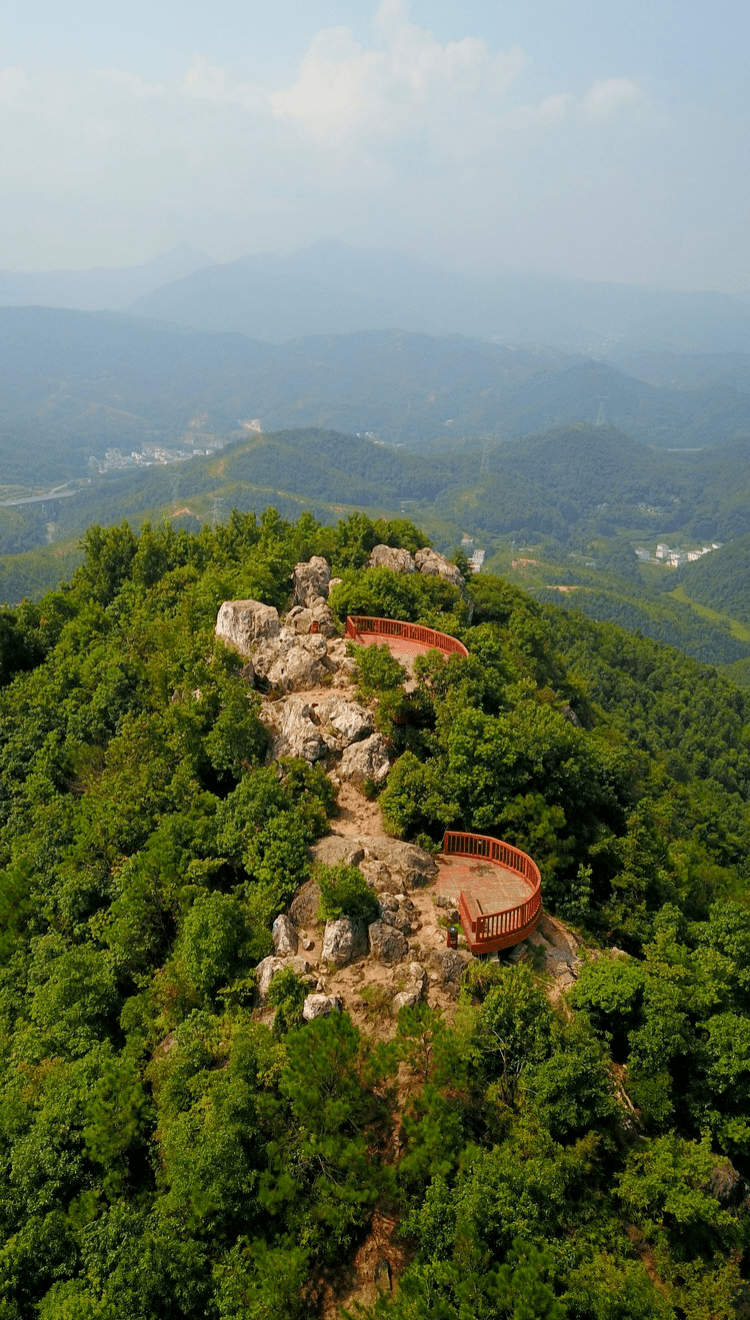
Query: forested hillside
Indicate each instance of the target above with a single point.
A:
(74, 384)
(166, 1154)
(722, 581)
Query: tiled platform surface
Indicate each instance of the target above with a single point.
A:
(401, 647)
(494, 887)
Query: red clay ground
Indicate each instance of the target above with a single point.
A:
(494, 887)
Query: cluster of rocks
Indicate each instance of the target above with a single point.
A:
(424, 561)
(555, 948)
(316, 728)
(388, 865)
(392, 869)
(294, 656)
(284, 655)
(344, 941)
(427, 561)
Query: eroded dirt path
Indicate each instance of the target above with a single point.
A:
(357, 816)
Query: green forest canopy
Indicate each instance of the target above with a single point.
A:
(165, 1155)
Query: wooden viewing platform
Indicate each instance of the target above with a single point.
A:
(500, 889)
(402, 639)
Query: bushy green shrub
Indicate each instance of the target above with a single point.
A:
(344, 892)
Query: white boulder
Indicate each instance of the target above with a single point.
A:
(245, 623)
(434, 564)
(319, 1005)
(365, 760)
(343, 941)
(386, 556)
(311, 580)
(284, 937)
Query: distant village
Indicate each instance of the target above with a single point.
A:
(152, 455)
(476, 559)
(675, 558)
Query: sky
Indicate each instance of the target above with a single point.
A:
(595, 140)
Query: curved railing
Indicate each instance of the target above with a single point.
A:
(411, 632)
(487, 932)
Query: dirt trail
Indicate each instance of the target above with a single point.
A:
(357, 817)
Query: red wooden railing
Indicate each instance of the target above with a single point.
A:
(488, 931)
(411, 632)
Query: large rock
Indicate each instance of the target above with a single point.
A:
(450, 966)
(316, 1006)
(414, 986)
(296, 667)
(305, 906)
(365, 760)
(379, 878)
(333, 849)
(410, 866)
(436, 565)
(284, 937)
(245, 623)
(267, 969)
(385, 556)
(311, 580)
(315, 618)
(348, 721)
(387, 944)
(294, 729)
(343, 941)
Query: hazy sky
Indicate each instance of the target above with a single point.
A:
(596, 139)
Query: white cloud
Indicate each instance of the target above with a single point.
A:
(396, 138)
(405, 83)
(608, 96)
(205, 81)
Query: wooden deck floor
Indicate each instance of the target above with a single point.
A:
(494, 887)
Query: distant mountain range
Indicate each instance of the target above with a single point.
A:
(100, 289)
(74, 384)
(331, 288)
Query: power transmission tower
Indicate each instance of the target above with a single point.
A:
(600, 414)
(484, 466)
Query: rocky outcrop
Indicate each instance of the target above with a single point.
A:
(267, 969)
(245, 623)
(557, 949)
(449, 965)
(385, 556)
(426, 561)
(311, 581)
(311, 729)
(413, 989)
(333, 849)
(367, 760)
(343, 941)
(387, 944)
(436, 565)
(305, 906)
(399, 911)
(410, 866)
(284, 937)
(347, 721)
(294, 663)
(293, 728)
(318, 1005)
(317, 618)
